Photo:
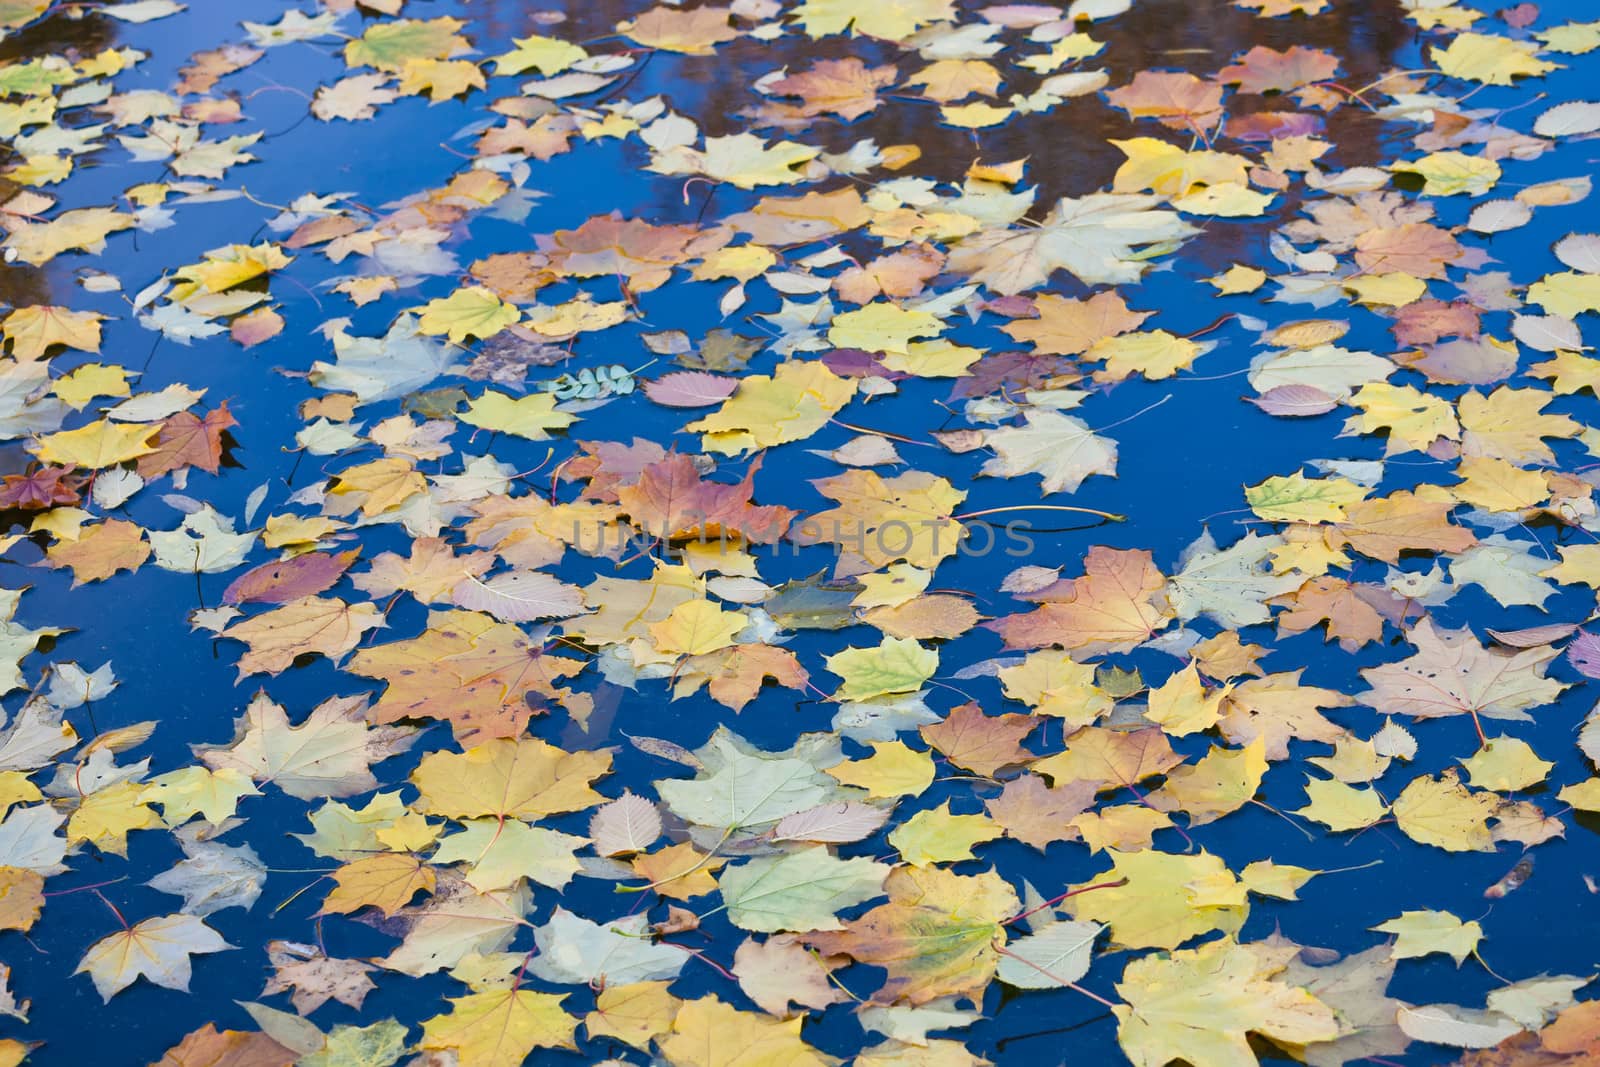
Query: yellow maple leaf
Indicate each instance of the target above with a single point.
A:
(893, 770)
(636, 1013)
(191, 791)
(679, 871)
(1154, 907)
(1495, 485)
(1231, 200)
(1452, 173)
(1053, 683)
(1489, 59)
(441, 78)
(1297, 498)
(32, 330)
(939, 836)
(224, 268)
(884, 520)
(1125, 827)
(1569, 372)
(793, 403)
(975, 116)
(1161, 167)
(472, 311)
(1200, 1005)
(500, 1027)
(1154, 353)
(898, 665)
(1223, 781)
(98, 445)
(1394, 289)
(1506, 764)
(708, 1033)
(85, 229)
(882, 327)
(1444, 813)
(1580, 564)
(1182, 705)
(1567, 294)
(1413, 418)
(547, 55)
(89, 381)
(891, 20)
(1421, 933)
(741, 159)
(387, 882)
(21, 898)
(1509, 423)
(383, 483)
(1238, 279)
(524, 778)
(526, 416)
(1279, 880)
(105, 817)
(695, 628)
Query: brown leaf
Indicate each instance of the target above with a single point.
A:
(101, 551)
(210, 1047)
(465, 669)
(779, 972)
(672, 501)
(1178, 100)
(1266, 70)
(1351, 620)
(188, 441)
(1067, 326)
(325, 625)
(1037, 814)
(844, 87)
(1118, 604)
(1403, 521)
(941, 616)
(983, 744)
(734, 675)
(312, 979)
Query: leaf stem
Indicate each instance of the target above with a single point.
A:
(681, 874)
(1053, 901)
(1107, 515)
(1075, 987)
(883, 433)
(1285, 817)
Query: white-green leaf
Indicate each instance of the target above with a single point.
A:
(575, 951)
(1059, 953)
(747, 791)
(801, 891)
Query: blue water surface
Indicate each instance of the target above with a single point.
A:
(1181, 469)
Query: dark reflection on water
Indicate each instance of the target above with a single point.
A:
(1067, 149)
(61, 33)
(1198, 36)
(57, 34)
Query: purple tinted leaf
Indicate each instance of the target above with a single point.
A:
(690, 389)
(284, 580)
(1584, 654)
(1534, 636)
(1295, 401)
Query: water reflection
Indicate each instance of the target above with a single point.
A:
(1068, 149)
(60, 34)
